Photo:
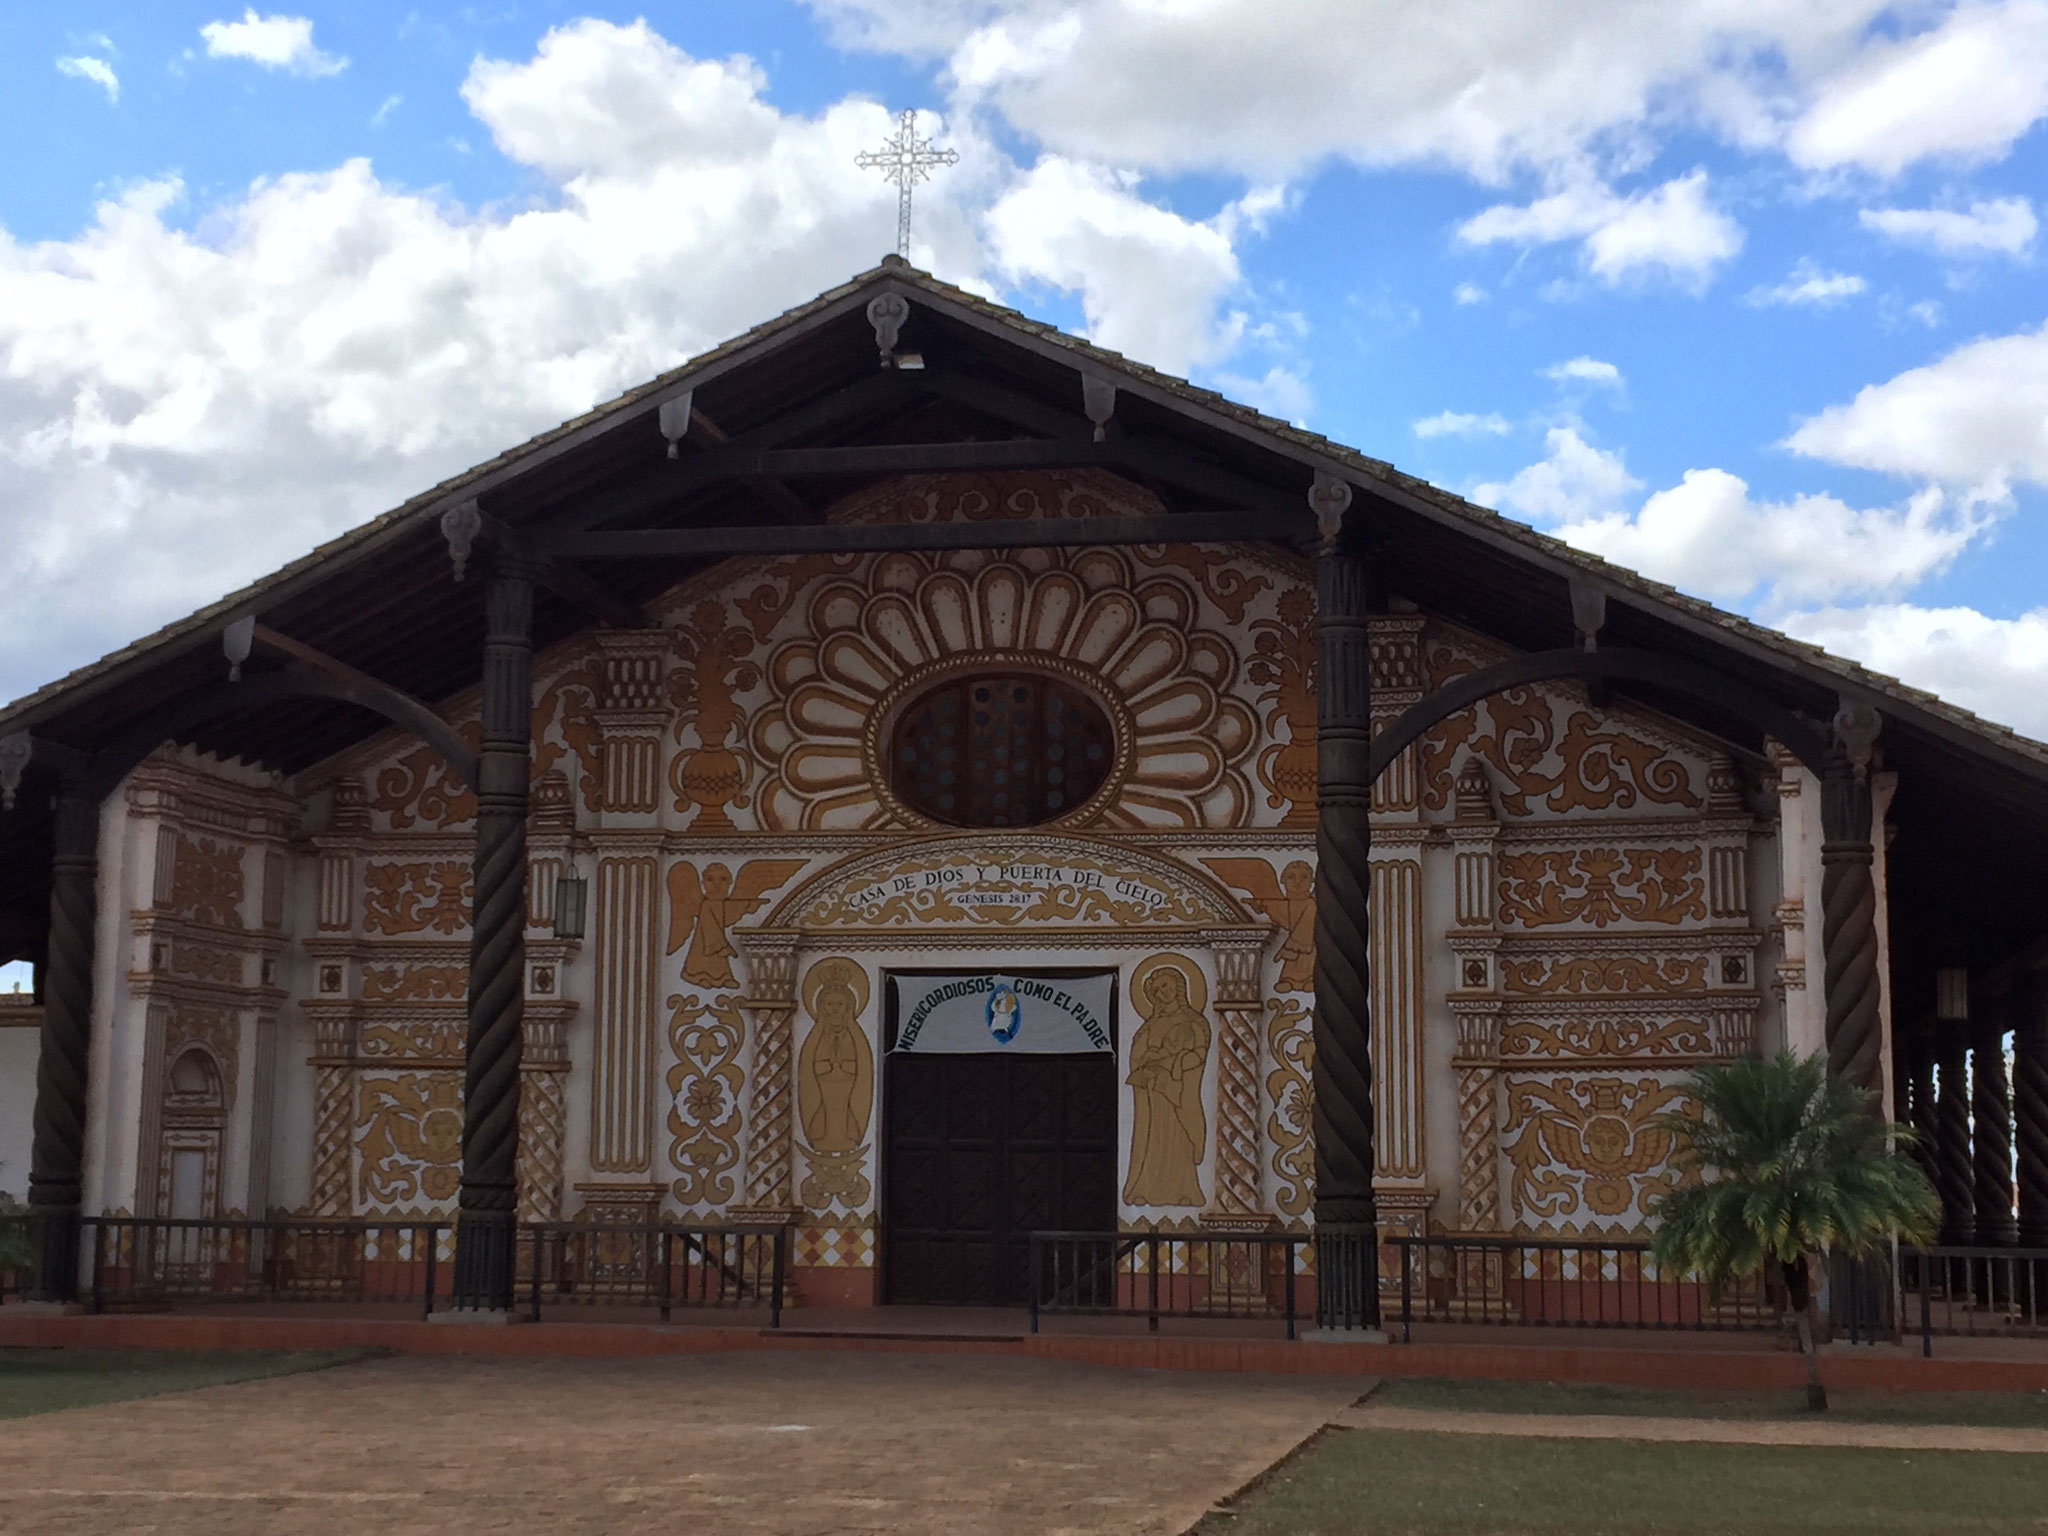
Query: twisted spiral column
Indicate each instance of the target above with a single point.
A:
(497, 953)
(1955, 1174)
(1920, 1075)
(2030, 1107)
(333, 1120)
(1347, 1246)
(770, 1111)
(56, 1188)
(1848, 904)
(543, 1115)
(1991, 1131)
(1478, 1151)
(1237, 1112)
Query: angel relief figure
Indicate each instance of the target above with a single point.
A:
(715, 655)
(703, 909)
(1289, 900)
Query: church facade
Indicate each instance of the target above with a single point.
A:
(951, 873)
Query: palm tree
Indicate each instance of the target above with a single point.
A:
(1791, 1163)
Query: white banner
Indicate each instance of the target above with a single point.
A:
(1000, 1011)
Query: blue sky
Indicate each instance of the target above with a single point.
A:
(1746, 295)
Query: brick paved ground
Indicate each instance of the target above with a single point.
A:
(758, 1442)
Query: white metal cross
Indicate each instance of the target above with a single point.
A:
(906, 160)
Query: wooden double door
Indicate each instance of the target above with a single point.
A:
(981, 1151)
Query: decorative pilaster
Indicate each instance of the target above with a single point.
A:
(632, 716)
(543, 1113)
(1347, 1243)
(1477, 1064)
(1848, 901)
(622, 1087)
(497, 963)
(2030, 1105)
(770, 1008)
(1240, 1108)
(57, 1155)
(1954, 1170)
(1991, 1125)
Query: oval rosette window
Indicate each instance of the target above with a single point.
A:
(1013, 749)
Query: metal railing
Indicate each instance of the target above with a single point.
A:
(20, 1251)
(151, 1262)
(1974, 1292)
(603, 1263)
(1565, 1283)
(1167, 1274)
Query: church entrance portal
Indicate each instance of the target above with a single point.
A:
(999, 1119)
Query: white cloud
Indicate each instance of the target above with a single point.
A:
(1488, 89)
(1150, 281)
(98, 71)
(275, 42)
(1670, 230)
(1708, 536)
(1461, 424)
(1976, 418)
(1584, 370)
(1468, 293)
(385, 108)
(1997, 667)
(1964, 90)
(1574, 480)
(181, 412)
(1809, 285)
(2005, 226)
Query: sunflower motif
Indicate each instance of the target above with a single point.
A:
(1112, 623)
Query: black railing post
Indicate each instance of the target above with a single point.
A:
(668, 1254)
(1926, 1312)
(99, 1261)
(1152, 1317)
(533, 1280)
(1287, 1256)
(1034, 1261)
(775, 1295)
(433, 1253)
(1407, 1291)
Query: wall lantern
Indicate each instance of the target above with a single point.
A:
(572, 894)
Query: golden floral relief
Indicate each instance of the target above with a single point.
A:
(704, 1097)
(1290, 1043)
(416, 898)
(703, 908)
(207, 881)
(419, 789)
(409, 1139)
(565, 722)
(1289, 899)
(415, 983)
(1169, 1053)
(1607, 1037)
(1582, 767)
(415, 1039)
(835, 1085)
(1588, 1146)
(1283, 662)
(1599, 886)
(1589, 975)
(716, 667)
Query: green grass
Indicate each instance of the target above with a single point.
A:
(1391, 1483)
(46, 1380)
(2014, 1410)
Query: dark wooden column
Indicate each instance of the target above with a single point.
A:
(1955, 1174)
(56, 1167)
(2030, 1104)
(1848, 904)
(1347, 1240)
(1991, 1124)
(497, 953)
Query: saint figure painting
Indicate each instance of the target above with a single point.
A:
(1169, 1052)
